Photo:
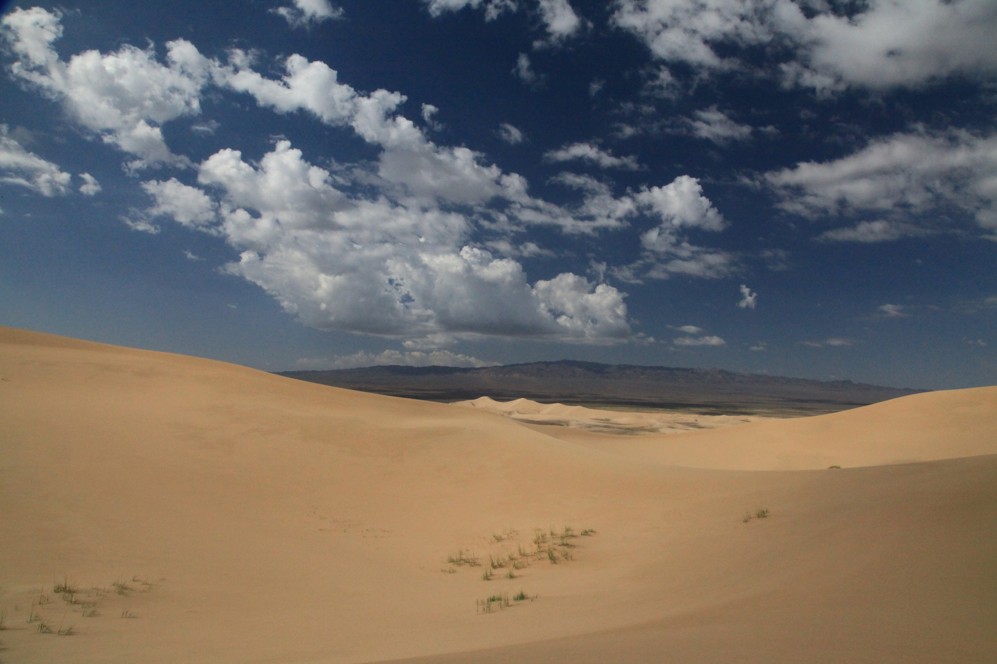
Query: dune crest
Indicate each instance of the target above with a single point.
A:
(606, 421)
(166, 508)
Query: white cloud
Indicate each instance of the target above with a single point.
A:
(689, 31)
(868, 232)
(900, 176)
(588, 311)
(26, 169)
(582, 182)
(306, 85)
(428, 114)
(680, 204)
(307, 13)
(876, 44)
(524, 71)
(124, 96)
(385, 268)
(758, 347)
(140, 223)
(409, 160)
(592, 154)
(714, 125)
(90, 186)
(560, 19)
(400, 260)
(493, 8)
(748, 298)
(832, 342)
(690, 329)
(893, 310)
(510, 134)
(187, 205)
(893, 43)
(710, 340)
(390, 357)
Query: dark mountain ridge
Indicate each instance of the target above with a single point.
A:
(612, 385)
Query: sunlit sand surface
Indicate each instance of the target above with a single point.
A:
(161, 508)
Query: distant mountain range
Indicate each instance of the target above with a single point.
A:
(590, 383)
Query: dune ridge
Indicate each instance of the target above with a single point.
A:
(252, 518)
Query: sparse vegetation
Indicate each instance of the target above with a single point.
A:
(761, 513)
(463, 558)
(550, 544)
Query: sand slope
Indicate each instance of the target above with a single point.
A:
(204, 512)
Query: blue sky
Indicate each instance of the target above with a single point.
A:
(797, 187)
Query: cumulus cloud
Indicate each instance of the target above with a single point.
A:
(384, 268)
(124, 97)
(748, 298)
(876, 45)
(892, 311)
(429, 112)
(679, 204)
(408, 160)
(187, 205)
(402, 259)
(591, 154)
(307, 13)
(524, 71)
(869, 232)
(25, 169)
(706, 340)
(901, 177)
(510, 134)
(493, 8)
(560, 20)
(832, 342)
(90, 186)
(682, 206)
(716, 126)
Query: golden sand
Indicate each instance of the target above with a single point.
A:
(161, 508)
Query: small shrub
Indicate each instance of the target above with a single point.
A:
(762, 514)
(44, 628)
(486, 575)
(64, 588)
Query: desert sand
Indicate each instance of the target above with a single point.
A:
(161, 508)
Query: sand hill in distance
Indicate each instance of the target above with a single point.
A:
(162, 508)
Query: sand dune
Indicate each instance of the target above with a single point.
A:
(202, 512)
(596, 420)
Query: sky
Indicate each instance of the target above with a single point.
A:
(794, 187)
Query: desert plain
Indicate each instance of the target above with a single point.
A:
(162, 508)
